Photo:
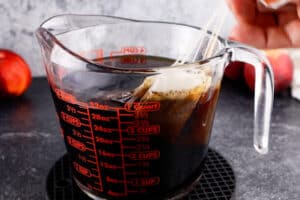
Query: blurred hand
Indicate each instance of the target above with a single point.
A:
(274, 29)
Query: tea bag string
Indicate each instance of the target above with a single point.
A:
(213, 40)
(215, 25)
(199, 41)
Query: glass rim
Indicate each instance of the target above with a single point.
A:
(101, 67)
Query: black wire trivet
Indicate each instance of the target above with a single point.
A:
(217, 181)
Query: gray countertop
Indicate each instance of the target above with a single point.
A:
(30, 144)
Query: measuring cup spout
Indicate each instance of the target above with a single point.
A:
(44, 38)
(70, 40)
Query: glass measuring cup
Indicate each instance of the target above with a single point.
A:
(136, 126)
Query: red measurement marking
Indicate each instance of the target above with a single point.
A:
(129, 139)
(97, 189)
(105, 141)
(95, 151)
(70, 119)
(92, 150)
(141, 115)
(144, 164)
(142, 107)
(146, 155)
(82, 170)
(131, 173)
(116, 194)
(99, 106)
(145, 182)
(65, 96)
(76, 133)
(99, 117)
(130, 130)
(109, 166)
(131, 123)
(142, 139)
(139, 164)
(133, 50)
(82, 158)
(142, 123)
(82, 113)
(148, 130)
(128, 50)
(140, 191)
(108, 154)
(115, 53)
(84, 119)
(96, 183)
(139, 173)
(112, 180)
(122, 151)
(82, 105)
(87, 131)
(126, 115)
(143, 147)
(90, 161)
(86, 125)
(144, 130)
(89, 143)
(144, 173)
(102, 129)
(134, 60)
(129, 147)
(76, 144)
(87, 137)
(130, 165)
(71, 109)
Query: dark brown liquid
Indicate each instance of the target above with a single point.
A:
(135, 150)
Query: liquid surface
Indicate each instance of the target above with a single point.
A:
(128, 139)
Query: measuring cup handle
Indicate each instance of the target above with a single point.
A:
(264, 91)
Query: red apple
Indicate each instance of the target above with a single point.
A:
(234, 70)
(15, 75)
(282, 66)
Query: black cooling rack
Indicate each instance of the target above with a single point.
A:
(217, 181)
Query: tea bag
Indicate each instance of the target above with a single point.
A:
(178, 92)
